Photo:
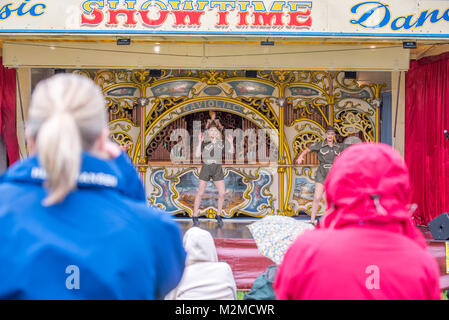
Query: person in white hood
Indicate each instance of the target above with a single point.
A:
(204, 277)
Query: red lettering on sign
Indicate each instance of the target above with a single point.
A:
(129, 16)
(303, 23)
(194, 17)
(150, 22)
(222, 21)
(96, 19)
(268, 18)
(242, 20)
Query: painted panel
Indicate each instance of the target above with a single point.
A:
(173, 88)
(246, 192)
(303, 91)
(122, 92)
(245, 88)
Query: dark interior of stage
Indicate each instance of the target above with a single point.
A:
(236, 246)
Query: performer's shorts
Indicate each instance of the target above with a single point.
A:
(322, 173)
(212, 171)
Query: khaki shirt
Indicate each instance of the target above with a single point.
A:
(212, 152)
(327, 154)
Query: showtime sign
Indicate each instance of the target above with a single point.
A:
(154, 14)
(316, 18)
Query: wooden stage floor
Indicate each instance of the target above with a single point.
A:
(235, 228)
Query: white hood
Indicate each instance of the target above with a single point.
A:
(200, 246)
(204, 277)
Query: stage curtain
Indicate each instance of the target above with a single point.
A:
(426, 149)
(8, 112)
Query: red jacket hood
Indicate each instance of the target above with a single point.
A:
(369, 184)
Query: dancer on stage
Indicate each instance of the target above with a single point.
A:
(214, 121)
(211, 151)
(327, 151)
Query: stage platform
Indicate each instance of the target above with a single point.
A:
(236, 246)
(438, 250)
(235, 228)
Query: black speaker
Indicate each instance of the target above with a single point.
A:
(58, 71)
(155, 73)
(123, 42)
(351, 75)
(251, 73)
(439, 227)
(409, 45)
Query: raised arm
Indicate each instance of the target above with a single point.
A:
(300, 159)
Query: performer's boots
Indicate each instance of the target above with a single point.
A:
(219, 220)
(196, 222)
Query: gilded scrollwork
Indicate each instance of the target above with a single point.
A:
(308, 107)
(84, 73)
(119, 106)
(160, 106)
(352, 122)
(212, 77)
(305, 139)
(102, 77)
(121, 139)
(282, 77)
(262, 105)
(115, 126)
(314, 99)
(277, 76)
(141, 77)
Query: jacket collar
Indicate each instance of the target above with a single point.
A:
(95, 173)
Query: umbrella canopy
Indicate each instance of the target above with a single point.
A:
(274, 234)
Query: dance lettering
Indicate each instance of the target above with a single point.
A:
(376, 15)
(155, 13)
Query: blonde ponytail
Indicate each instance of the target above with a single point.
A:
(67, 115)
(59, 145)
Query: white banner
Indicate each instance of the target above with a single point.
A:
(266, 18)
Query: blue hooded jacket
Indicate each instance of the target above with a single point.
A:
(101, 242)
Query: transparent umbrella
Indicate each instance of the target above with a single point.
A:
(274, 234)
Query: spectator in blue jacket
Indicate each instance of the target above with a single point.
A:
(73, 221)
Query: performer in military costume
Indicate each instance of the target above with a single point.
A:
(327, 151)
(211, 151)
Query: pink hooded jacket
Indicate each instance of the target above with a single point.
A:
(366, 246)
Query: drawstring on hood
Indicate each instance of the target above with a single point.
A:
(379, 207)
